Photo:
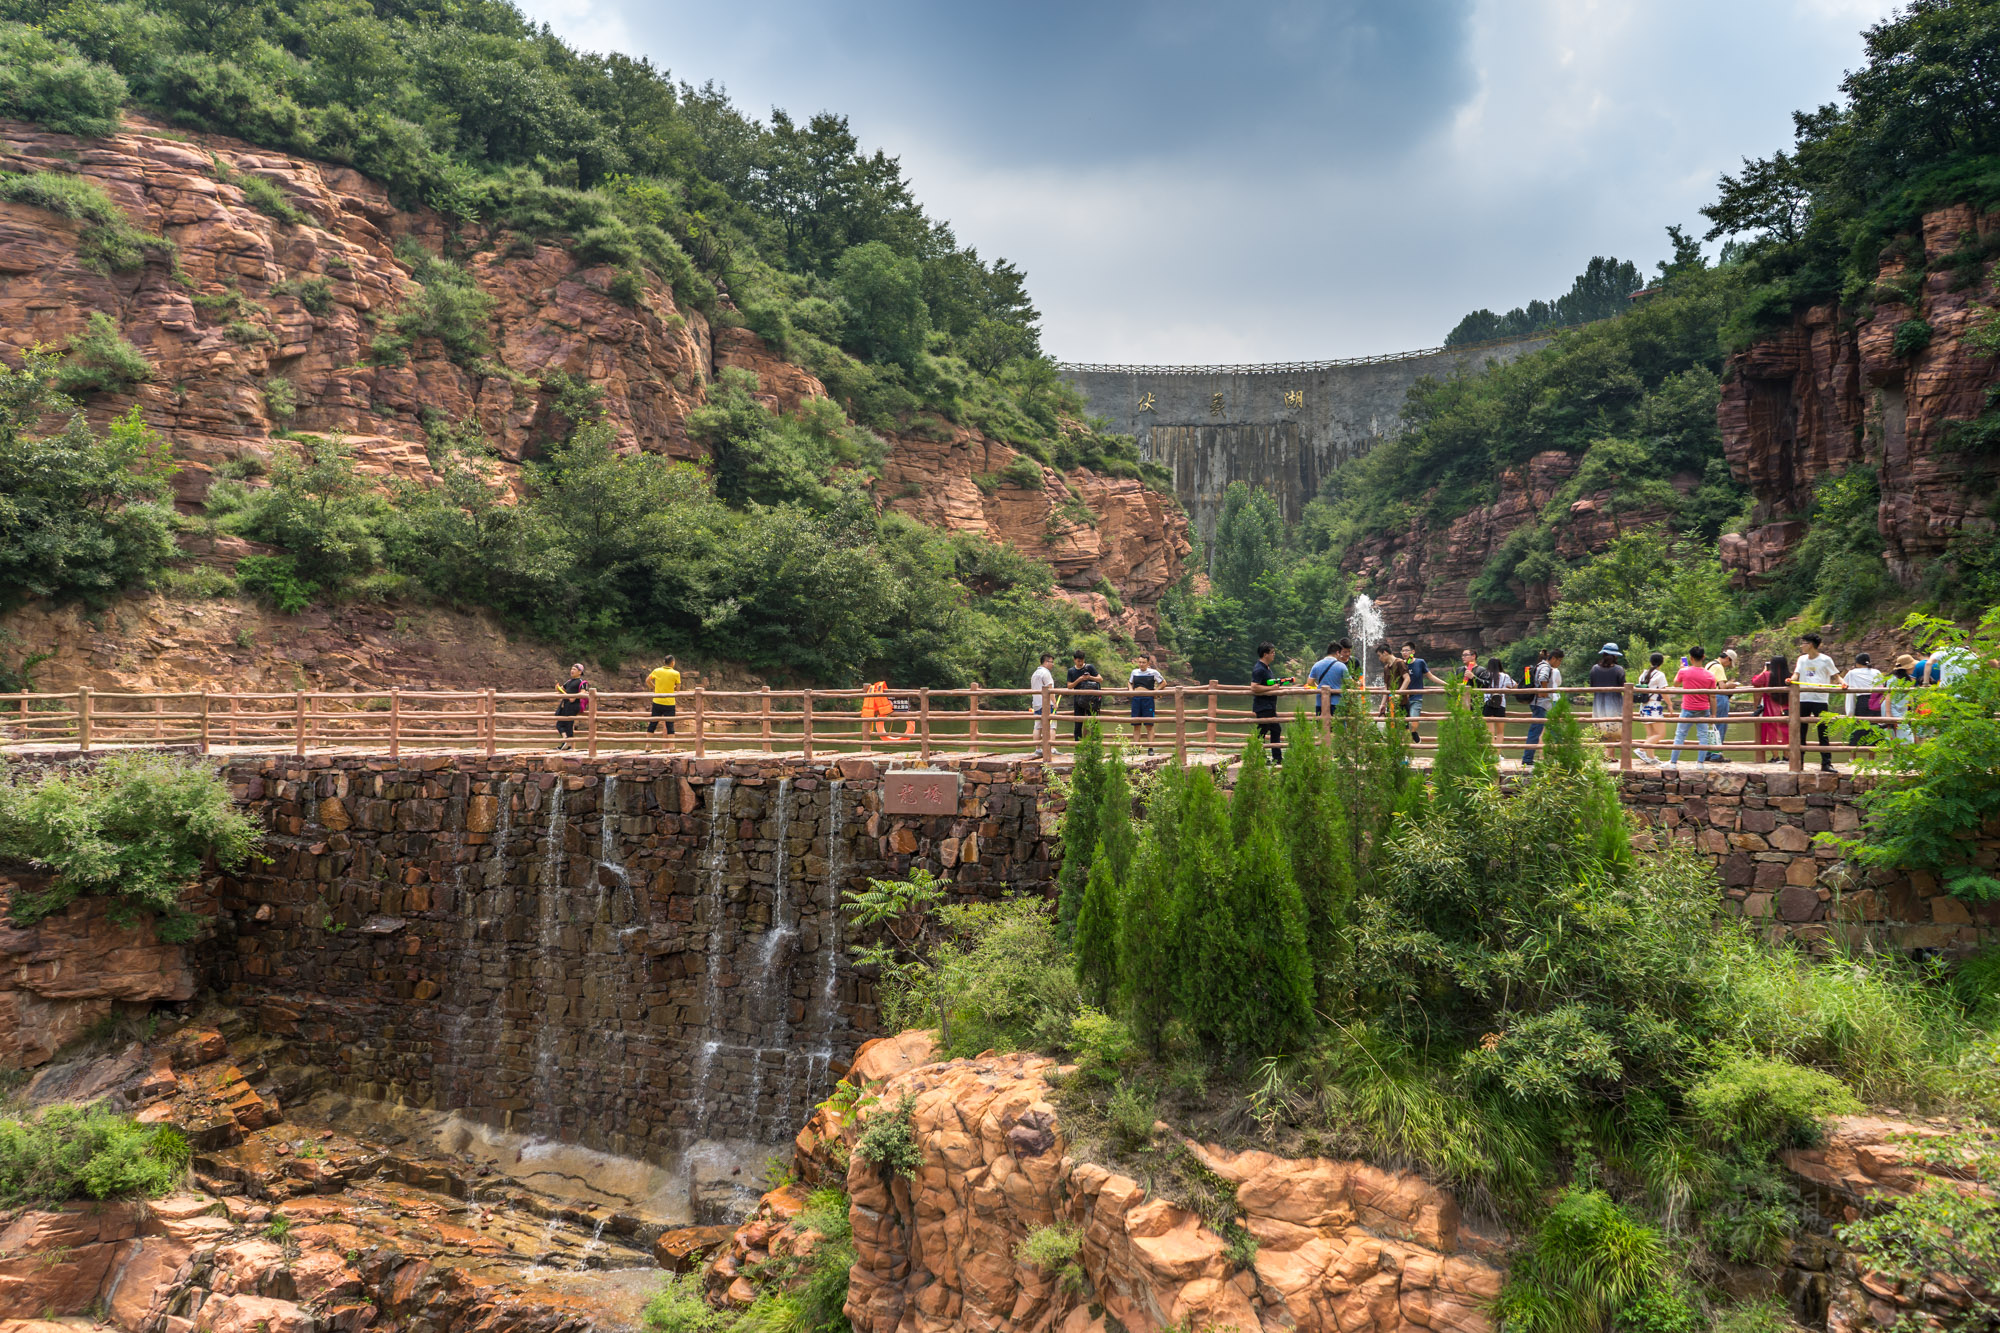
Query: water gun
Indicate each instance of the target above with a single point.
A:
(1283, 680)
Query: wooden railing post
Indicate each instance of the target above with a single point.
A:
(1180, 724)
(159, 723)
(1625, 730)
(1795, 727)
(234, 708)
(924, 724)
(83, 718)
(395, 721)
(764, 715)
(700, 726)
(204, 722)
(1211, 715)
(490, 724)
(1047, 718)
(299, 721)
(972, 721)
(591, 727)
(806, 726)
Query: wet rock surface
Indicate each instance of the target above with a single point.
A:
(291, 1226)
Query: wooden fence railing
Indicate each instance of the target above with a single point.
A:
(806, 723)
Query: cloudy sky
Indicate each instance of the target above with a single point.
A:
(1196, 182)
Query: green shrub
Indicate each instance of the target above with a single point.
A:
(71, 1152)
(265, 195)
(1022, 471)
(101, 361)
(196, 582)
(448, 305)
(315, 294)
(1133, 1113)
(1975, 984)
(681, 1306)
(1054, 1250)
(1911, 337)
(889, 1141)
(1943, 1236)
(1590, 1262)
(1749, 1100)
(826, 1212)
(85, 515)
(281, 399)
(136, 828)
(275, 578)
(1103, 1045)
(49, 81)
(108, 240)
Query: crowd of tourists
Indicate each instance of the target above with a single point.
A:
(1697, 699)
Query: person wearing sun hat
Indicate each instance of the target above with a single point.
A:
(1896, 696)
(1607, 706)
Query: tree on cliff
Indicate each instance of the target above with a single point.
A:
(81, 514)
(1319, 846)
(1080, 825)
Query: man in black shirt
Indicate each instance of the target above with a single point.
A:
(1083, 676)
(1264, 700)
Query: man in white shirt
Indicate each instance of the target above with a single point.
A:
(1042, 683)
(1814, 668)
(1143, 681)
(1863, 681)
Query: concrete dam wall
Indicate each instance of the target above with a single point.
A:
(1281, 427)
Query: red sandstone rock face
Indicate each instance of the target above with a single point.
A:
(1090, 528)
(63, 974)
(552, 312)
(1341, 1245)
(1420, 579)
(1829, 392)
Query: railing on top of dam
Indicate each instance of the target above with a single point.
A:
(919, 722)
(1294, 367)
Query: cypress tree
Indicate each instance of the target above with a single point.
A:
(1209, 958)
(1250, 803)
(1147, 942)
(1315, 827)
(1371, 781)
(1277, 979)
(1097, 920)
(1466, 759)
(1563, 749)
(1079, 827)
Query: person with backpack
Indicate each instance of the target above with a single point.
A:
(1896, 693)
(570, 709)
(1546, 680)
(1394, 674)
(1493, 705)
(1416, 679)
(1863, 698)
(1328, 676)
(1653, 707)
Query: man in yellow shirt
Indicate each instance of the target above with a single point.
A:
(664, 680)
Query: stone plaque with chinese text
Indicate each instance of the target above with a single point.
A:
(919, 792)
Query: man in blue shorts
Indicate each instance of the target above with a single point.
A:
(1144, 680)
(1419, 677)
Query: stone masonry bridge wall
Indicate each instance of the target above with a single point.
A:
(636, 954)
(642, 953)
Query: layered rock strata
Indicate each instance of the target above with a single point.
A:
(62, 976)
(256, 324)
(1831, 391)
(1340, 1245)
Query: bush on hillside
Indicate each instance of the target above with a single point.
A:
(73, 1152)
(136, 828)
(81, 514)
(107, 241)
(51, 82)
(101, 361)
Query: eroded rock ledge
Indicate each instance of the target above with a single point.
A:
(1341, 1245)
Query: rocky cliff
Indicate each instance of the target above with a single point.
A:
(1421, 577)
(1340, 1245)
(1833, 390)
(255, 324)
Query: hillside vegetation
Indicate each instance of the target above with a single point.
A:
(775, 555)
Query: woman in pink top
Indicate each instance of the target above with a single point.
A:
(1772, 681)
